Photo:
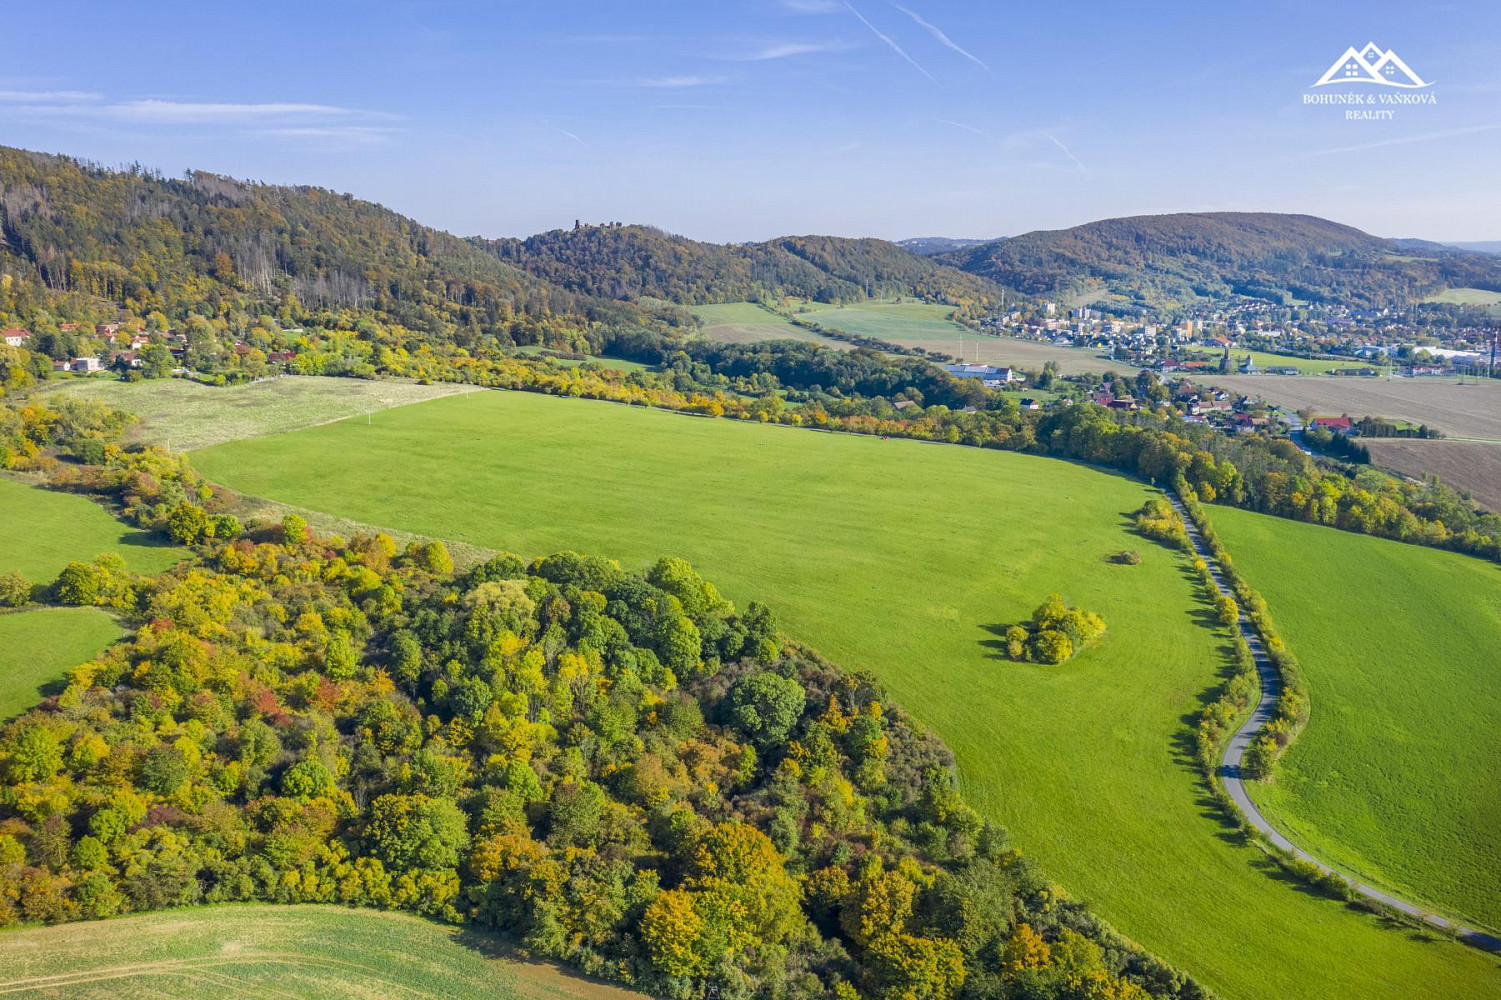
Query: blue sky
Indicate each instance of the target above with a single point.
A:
(747, 119)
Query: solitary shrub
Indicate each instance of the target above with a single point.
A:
(1126, 557)
(1054, 633)
(15, 590)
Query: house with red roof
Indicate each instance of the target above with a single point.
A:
(15, 337)
(1334, 425)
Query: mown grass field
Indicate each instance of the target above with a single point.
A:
(291, 952)
(747, 323)
(186, 414)
(900, 558)
(1029, 355)
(619, 364)
(38, 645)
(1394, 778)
(42, 530)
(895, 321)
(1467, 297)
(1308, 366)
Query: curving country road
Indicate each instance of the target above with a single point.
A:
(1235, 749)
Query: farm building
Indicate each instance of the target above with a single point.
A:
(1334, 425)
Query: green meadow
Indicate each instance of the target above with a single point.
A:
(290, 952)
(1467, 297)
(1395, 777)
(746, 323)
(903, 558)
(39, 645)
(899, 321)
(42, 530)
(184, 414)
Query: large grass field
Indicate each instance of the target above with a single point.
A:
(186, 414)
(1467, 297)
(1395, 777)
(37, 646)
(896, 321)
(900, 558)
(747, 323)
(42, 530)
(289, 952)
(1308, 366)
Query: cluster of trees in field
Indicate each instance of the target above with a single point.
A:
(621, 771)
(1054, 634)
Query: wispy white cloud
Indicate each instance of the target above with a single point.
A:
(46, 96)
(1405, 140)
(1067, 152)
(785, 50)
(968, 128)
(207, 113)
(811, 6)
(943, 38)
(272, 119)
(571, 135)
(365, 135)
(676, 82)
(890, 42)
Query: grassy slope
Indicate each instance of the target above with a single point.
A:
(746, 322)
(894, 556)
(37, 646)
(1308, 366)
(185, 414)
(906, 320)
(42, 530)
(1394, 778)
(1467, 297)
(293, 952)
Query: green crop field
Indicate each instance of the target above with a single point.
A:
(1264, 360)
(901, 558)
(893, 321)
(1467, 297)
(1394, 779)
(42, 530)
(619, 364)
(185, 414)
(746, 323)
(291, 952)
(37, 646)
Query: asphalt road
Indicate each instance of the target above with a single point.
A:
(1235, 750)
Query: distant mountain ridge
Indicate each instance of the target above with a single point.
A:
(632, 261)
(930, 246)
(1164, 261)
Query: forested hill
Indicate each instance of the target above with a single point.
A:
(1167, 260)
(85, 242)
(628, 262)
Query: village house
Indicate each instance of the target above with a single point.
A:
(1334, 425)
(16, 337)
(85, 366)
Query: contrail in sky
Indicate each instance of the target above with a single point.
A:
(938, 33)
(887, 39)
(1067, 152)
